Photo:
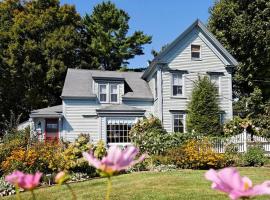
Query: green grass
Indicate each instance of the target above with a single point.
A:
(181, 184)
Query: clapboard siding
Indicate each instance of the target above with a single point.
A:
(80, 118)
(145, 105)
(179, 58)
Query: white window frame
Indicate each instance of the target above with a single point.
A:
(130, 119)
(183, 85)
(99, 93)
(117, 92)
(108, 93)
(193, 58)
(217, 83)
(184, 120)
(156, 85)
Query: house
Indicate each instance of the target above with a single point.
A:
(105, 104)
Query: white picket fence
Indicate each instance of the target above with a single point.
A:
(241, 142)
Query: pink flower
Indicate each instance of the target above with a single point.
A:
(116, 159)
(25, 181)
(228, 180)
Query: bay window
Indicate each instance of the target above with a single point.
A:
(118, 130)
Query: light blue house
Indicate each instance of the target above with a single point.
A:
(105, 104)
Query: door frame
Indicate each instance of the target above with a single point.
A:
(45, 130)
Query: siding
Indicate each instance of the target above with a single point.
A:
(145, 105)
(179, 58)
(75, 123)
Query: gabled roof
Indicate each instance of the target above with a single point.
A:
(159, 58)
(54, 111)
(78, 83)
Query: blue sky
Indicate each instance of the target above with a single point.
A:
(164, 20)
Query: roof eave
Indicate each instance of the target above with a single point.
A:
(78, 97)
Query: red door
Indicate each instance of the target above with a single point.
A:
(51, 130)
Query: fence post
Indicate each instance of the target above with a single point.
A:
(245, 140)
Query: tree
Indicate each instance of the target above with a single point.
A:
(242, 26)
(203, 110)
(107, 28)
(39, 40)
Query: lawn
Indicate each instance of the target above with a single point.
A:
(181, 184)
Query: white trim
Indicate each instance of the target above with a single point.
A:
(172, 120)
(183, 85)
(196, 59)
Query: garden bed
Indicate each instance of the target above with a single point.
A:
(178, 184)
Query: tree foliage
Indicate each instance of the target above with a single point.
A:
(203, 109)
(107, 28)
(242, 26)
(41, 39)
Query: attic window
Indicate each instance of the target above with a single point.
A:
(195, 52)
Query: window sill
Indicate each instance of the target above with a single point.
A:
(196, 59)
(178, 97)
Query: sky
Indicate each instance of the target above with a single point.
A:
(164, 20)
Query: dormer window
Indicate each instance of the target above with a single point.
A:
(113, 90)
(103, 93)
(108, 93)
(195, 52)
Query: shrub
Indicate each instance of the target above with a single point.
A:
(43, 157)
(254, 156)
(6, 188)
(196, 154)
(149, 135)
(72, 155)
(203, 109)
(100, 149)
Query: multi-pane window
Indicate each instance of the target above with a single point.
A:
(118, 130)
(178, 123)
(222, 118)
(108, 93)
(114, 93)
(103, 93)
(195, 51)
(177, 84)
(214, 78)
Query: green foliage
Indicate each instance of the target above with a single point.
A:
(100, 149)
(39, 41)
(107, 28)
(243, 28)
(203, 109)
(73, 159)
(195, 154)
(254, 156)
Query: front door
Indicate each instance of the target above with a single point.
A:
(51, 130)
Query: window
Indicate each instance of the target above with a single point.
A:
(118, 130)
(177, 85)
(178, 123)
(214, 78)
(108, 93)
(195, 52)
(103, 93)
(114, 93)
(222, 118)
(156, 92)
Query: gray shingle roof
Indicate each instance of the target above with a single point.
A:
(54, 111)
(78, 83)
(120, 107)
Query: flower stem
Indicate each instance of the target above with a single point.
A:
(18, 196)
(109, 188)
(33, 195)
(71, 191)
